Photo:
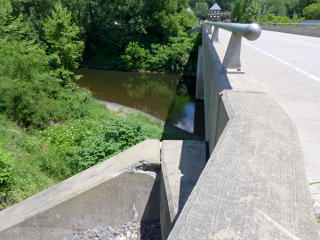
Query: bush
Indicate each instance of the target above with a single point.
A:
(6, 173)
(135, 56)
(20, 177)
(80, 144)
(172, 57)
(271, 18)
(312, 12)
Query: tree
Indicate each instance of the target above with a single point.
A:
(312, 12)
(63, 47)
(277, 7)
(201, 10)
(280, 7)
(251, 13)
(237, 11)
(5, 13)
(303, 4)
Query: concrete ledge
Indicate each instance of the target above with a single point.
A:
(313, 32)
(123, 188)
(254, 185)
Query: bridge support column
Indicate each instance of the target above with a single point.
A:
(199, 86)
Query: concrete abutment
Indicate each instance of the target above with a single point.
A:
(127, 187)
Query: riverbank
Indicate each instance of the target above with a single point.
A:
(123, 110)
(188, 74)
(34, 160)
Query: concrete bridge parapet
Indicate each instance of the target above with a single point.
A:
(306, 31)
(254, 185)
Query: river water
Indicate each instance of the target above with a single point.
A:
(164, 96)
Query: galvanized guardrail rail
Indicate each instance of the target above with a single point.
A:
(231, 62)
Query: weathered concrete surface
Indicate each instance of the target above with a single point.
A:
(287, 68)
(199, 86)
(214, 83)
(182, 163)
(313, 32)
(123, 188)
(254, 185)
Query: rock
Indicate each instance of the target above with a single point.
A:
(128, 224)
(120, 237)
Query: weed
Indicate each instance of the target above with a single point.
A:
(315, 192)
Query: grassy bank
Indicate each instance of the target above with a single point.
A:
(33, 160)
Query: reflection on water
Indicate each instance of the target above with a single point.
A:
(184, 122)
(167, 97)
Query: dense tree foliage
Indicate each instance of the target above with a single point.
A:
(279, 7)
(201, 10)
(312, 11)
(113, 26)
(108, 26)
(302, 4)
(245, 11)
(60, 36)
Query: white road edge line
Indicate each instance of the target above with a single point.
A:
(284, 62)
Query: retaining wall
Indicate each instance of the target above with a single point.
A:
(307, 31)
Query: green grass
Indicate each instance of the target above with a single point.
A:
(33, 160)
(20, 177)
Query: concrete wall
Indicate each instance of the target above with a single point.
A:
(314, 32)
(123, 188)
(254, 185)
(181, 165)
(214, 83)
(199, 87)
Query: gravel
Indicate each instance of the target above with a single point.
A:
(147, 230)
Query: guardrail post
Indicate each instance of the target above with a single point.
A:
(231, 62)
(206, 26)
(215, 35)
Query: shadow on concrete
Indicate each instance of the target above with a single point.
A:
(150, 220)
(199, 124)
(192, 163)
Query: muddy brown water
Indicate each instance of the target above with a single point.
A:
(164, 96)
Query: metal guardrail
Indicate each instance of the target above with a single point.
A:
(231, 62)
